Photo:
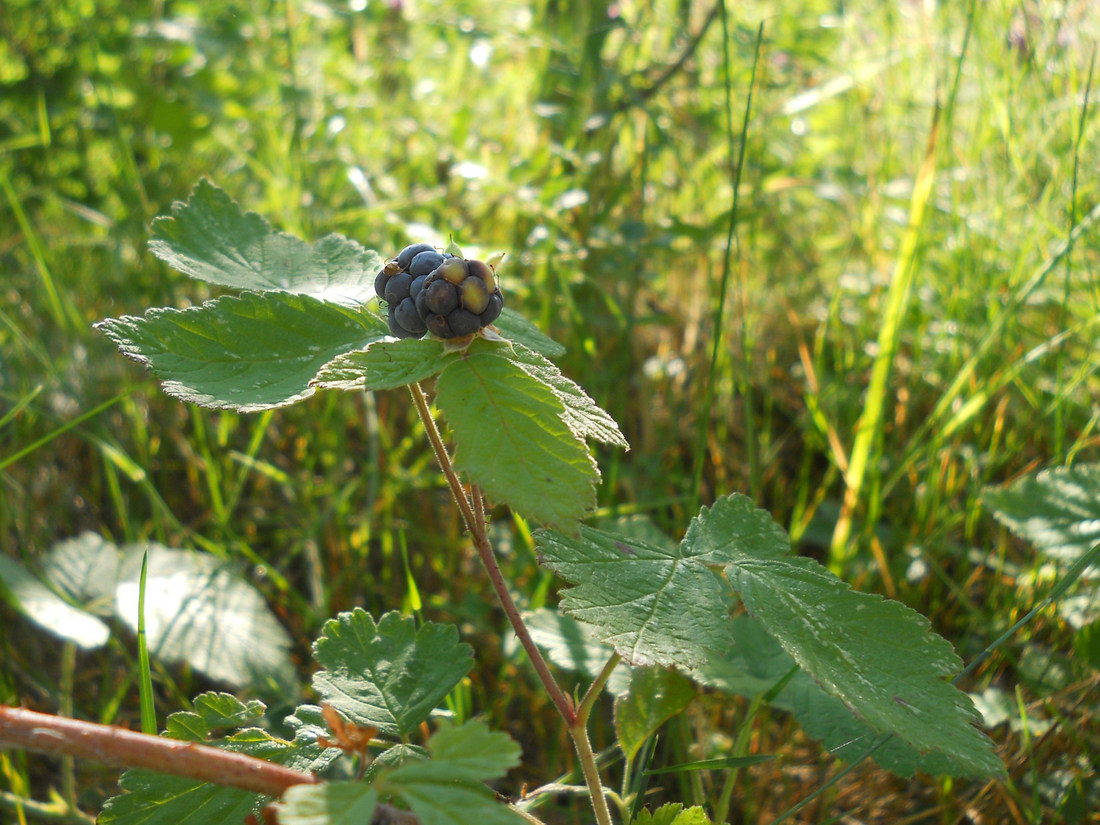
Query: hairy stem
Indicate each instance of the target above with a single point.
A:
(591, 772)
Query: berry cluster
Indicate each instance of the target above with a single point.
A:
(426, 290)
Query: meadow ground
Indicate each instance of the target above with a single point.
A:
(862, 334)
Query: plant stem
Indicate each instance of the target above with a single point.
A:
(45, 733)
(472, 507)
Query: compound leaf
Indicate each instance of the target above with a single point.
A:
(672, 814)
(654, 605)
(448, 789)
(1057, 510)
(210, 238)
(572, 646)
(385, 365)
(390, 676)
(877, 656)
(246, 353)
(213, 711)
(511, 440)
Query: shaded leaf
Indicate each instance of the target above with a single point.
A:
(210, 238)
(390, 676)
(573, 646)
(511, 440)
(653, 604)
(213, 711)
(46, 609)
(654, 697)
(86, 569)
(385, 365)
(246, 353)
(1057, 510)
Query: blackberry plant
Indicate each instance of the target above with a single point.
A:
(661, 618)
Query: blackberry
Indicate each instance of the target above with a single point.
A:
(426, 290)
(459, 297)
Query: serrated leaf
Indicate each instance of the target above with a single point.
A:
(582, 416)
(511, 440)
(447, 789)
(653, 604)
(756, 663)
(573, 646)
(200, 611)
(515, 327)
(160, 799)
(385, 365)
(46, 609)
(654, 697)
(1057, 510)
(212, 711)
(672, 814)
(390, 675)
(329, 803)
(877, 656)
(246, 353)
(210, 238)
(735, 525)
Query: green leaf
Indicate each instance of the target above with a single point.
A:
(210, 238)
(877, 656)
(447, 789)
(672, 814)
(159, 799)
(390, 675)
(735, 526)
(246, 353)
(511, 440)
(654, 605)
(573, 646)
(46, 609)
(213, 711)
(1057, 510)
(515, 327)
(385, 365)
(655, 696)
(329, 803)
(200, 611)
(582, 416)
(87, 570)
(757, 662)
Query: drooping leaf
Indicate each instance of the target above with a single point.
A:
(515, 327)
(328, 803)
(46, 609)
(200, 611)
(757, 663)
(390, 675)
(582, 416)
(448, 789)
(654, 697)
(877, 656)
(511, 440)
(1057, 510)
(654, 605)
(573, 646)
(672, 814)
(246, 353)
(210, 238)
(385, 365)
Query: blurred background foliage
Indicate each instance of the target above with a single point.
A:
(594, 143)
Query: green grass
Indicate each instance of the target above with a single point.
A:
(596, 150)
